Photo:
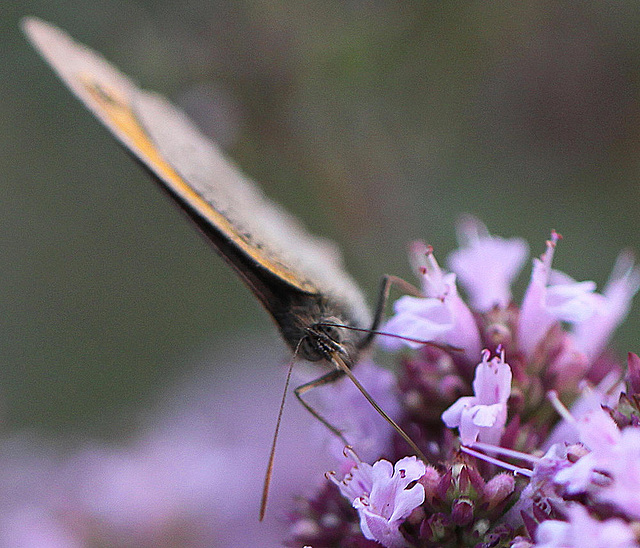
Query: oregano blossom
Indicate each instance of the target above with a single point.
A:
(515, 473)
(384, 495)
(483, 415)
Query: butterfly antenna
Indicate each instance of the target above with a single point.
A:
(441, 346)
(272, 454)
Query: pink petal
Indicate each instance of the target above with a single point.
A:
(486, 265)
(452, 416)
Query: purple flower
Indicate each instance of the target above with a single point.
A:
(33, 502)
(610, 472)
(384, 497)
(583, 531)
(610, 308)
(486, 265)
(35, 527)
(483, 416)
(591, 398)
(440, 316)
(599, 434)
(191, 478)
(623, 466)
(540, 497)
(551, 297)
(467, 503)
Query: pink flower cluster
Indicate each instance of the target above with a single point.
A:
(593, 487)
(584, 492)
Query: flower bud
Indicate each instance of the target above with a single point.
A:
(633, 373)
(462, 512)
(499, 488)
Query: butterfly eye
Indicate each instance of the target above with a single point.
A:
(333, 332)
(321, 340)
(309, 349)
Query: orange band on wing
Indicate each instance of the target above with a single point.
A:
(120, 114)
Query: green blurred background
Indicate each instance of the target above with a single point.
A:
(376, 122)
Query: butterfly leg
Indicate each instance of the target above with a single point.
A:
(327, 378)
(342, 367)
(388, 281)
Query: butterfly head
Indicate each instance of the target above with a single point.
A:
(326, 338)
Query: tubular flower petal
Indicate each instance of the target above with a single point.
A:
(440, 316)
(483, 416)
(486, 265)
(551, 297)
(384, 497)
(583, 531)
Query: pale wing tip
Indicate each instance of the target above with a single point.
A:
(45, 37)
(38, 30)
(30, 22)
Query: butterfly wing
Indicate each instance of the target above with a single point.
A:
(283, 264)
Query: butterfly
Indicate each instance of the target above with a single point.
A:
(298, 278)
